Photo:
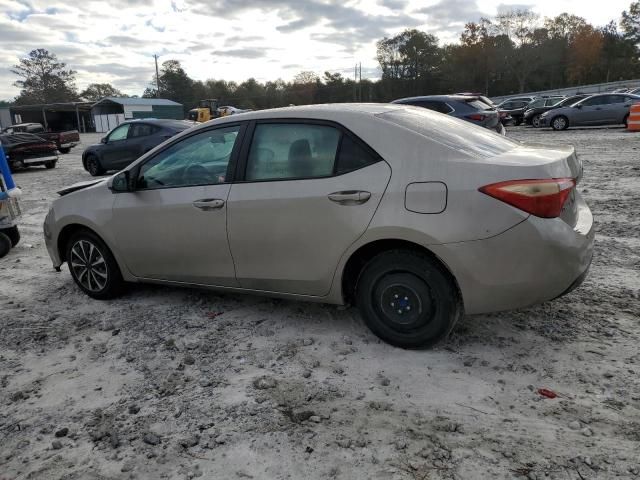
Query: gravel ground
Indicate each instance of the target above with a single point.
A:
(179, 383)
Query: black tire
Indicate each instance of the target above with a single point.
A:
(49, 165)
(560, 123)
(103, 275)
(92, 164)
(626, 121)
(5, 244)
(14, 235)
(419, 287)
(535, 121)
(518, 121)
(64, 150)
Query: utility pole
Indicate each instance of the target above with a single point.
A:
(355, 81)
(360, 84)
(157, 77)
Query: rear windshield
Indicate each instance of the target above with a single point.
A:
(478, 105)
(451, 132)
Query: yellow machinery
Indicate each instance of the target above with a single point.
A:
(206, 110)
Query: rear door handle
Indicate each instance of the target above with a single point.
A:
(207, 204)
(350, 197)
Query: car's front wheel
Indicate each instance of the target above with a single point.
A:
(49, 165)
(92, 164)
(93, 267)
(560, 123)
(407, 299)
(64, 150)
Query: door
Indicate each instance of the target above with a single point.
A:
(591, 112)
(612, 109)
(309, 190)
(174, 226)
(138, 137)
(116, 153)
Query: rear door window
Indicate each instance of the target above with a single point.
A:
(292, 150)
(616, 99)
(141, 130)
(353, 156)
(590, 102)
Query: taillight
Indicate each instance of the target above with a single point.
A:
(542, 198)
(477, 117)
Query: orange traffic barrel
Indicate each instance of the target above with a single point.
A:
(633, 122)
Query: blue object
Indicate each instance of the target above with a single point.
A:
(4, 170)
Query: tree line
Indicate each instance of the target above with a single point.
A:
(513, 52)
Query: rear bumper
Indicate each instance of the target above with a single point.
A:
(535, 261)
(33, 161)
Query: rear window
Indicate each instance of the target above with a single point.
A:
(478, 105)
(450, 132)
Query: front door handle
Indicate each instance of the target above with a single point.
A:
(207, 204)
(350, 197)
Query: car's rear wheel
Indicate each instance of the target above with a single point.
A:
(626, 121)
(49, 165)
(64, 150)
(14, 235)
(5, 244)
(560, 123)
(407, 299)
(92, 164)
(93, 267)
(535, 121)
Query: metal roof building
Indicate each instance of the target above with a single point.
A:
(112, 111)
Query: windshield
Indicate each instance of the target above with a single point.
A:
(451, 132)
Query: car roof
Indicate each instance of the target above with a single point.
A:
(459, 98)
(338, 112)
(166, 122)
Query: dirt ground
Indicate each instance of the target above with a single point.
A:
(179, 383)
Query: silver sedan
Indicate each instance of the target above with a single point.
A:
(414, 216)
(604, 109)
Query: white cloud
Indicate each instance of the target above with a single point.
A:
(115, 41)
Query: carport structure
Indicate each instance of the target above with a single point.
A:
(110, 112)
(56, 116)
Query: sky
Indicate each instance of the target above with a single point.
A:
(114, 41)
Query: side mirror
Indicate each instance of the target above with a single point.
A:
(121, 182)
(103, 140)
(577, 106)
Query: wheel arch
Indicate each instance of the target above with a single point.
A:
(360, 257)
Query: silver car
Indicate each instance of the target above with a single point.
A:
(602, 109)
(413, 216)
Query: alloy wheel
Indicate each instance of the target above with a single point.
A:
(559, 123)
(89, 266)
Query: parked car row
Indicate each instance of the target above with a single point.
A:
(561, 113)
(473, 108)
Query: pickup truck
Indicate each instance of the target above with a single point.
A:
(28, 150)
(64, 141)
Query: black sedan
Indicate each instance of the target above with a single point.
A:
(127, 142)
(533, 112)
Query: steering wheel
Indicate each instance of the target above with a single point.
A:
(196, 175)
